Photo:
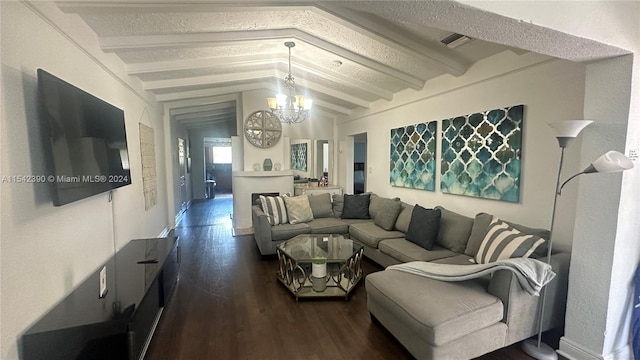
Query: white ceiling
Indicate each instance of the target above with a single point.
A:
(345, 58)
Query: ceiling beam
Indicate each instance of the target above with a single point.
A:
(176, 105)
(360, 85)
(203, 108)
(256, 75)
(263, 59)
(333, 107)
(84, 6)
(192, 95)
(202, 63)
(208, 121)
(440, 57)
(199, 115)
(205, 80)
(142, 42)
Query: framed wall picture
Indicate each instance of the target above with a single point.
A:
(413, 156)
(299, 157)
(481, 154)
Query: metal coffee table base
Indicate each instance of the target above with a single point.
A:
(341, 277)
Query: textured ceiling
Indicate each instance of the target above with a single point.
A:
(347, 54)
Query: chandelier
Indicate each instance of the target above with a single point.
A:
(290, 108)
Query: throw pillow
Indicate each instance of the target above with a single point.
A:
(275, 209)
(478, 231)
(298, 209)
(376, 203)
(454, 230)
(337, 204)
(321, 205)
(541, 250)
(423, 227)
(404, 218)
(387, 214)
(481, 225)
(504, 241)
(356, 206)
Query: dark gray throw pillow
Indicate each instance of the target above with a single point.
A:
(356, 206)
(423, 227)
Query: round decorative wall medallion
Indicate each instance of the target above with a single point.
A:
(262, 129)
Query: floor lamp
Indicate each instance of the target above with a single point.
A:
(612, 161)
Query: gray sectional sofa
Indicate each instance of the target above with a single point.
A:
(433, 319)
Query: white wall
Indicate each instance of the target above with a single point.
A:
(316, 127)
(46, 251)
(254, 101)
(549, 89)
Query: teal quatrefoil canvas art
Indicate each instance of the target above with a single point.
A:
(481, 154)
(299, 157)
(413, 156)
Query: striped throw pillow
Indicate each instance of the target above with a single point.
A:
(274, 207)
(502, 241)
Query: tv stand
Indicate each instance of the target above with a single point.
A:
(141, 278)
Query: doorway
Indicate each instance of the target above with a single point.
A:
(323, 159)
(359, 163)
(217, 158)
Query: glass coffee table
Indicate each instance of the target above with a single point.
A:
(304, 259)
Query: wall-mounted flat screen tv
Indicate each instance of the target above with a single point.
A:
(85, 141)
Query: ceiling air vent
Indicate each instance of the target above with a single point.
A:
(454, 40)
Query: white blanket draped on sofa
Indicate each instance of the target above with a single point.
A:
(532, 274)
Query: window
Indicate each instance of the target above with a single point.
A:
(222, 154)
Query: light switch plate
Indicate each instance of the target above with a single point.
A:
(103, 282)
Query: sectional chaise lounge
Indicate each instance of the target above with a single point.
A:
(432, 319)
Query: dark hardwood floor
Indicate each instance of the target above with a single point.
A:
(229, 305)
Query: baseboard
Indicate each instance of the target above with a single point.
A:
(180, 214)
(246, 231)
(573, 351)
(164, 232)
(179, 217)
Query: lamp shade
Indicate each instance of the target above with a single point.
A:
(612, 161)
(281, 100)
(272, 103)
(569, 128)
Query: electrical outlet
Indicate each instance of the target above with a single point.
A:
(103, 282)
(370, 170)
